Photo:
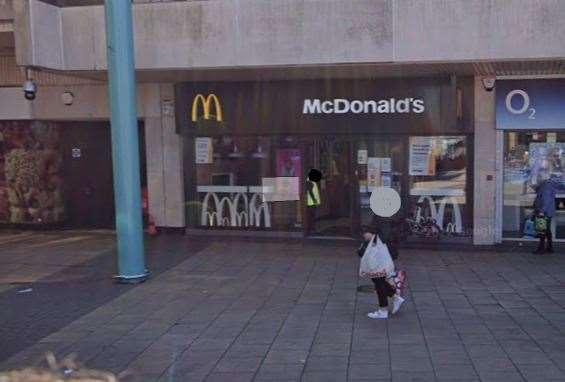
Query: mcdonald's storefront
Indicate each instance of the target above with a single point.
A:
(248, 147)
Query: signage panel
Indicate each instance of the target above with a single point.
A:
(315, 107)
(530, 104)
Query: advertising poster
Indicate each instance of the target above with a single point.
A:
(281, 189)
(288, 162)
(373, 173)
(422, 156)
(386, 181)
(546, 156)
(204, 153)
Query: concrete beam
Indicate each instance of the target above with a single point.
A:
(6, 10)
(90, 103)
(250, 33)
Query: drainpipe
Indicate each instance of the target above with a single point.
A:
(125, 142)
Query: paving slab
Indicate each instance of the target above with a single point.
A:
(283, 310)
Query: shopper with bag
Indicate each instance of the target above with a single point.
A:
(544, 206)
(377, 264)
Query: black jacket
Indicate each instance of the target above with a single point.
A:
(390, 230)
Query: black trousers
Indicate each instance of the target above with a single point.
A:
(384, 290)
(311, 220)
(546, 237)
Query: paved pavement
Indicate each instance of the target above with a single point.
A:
(243, 310)
(50, 279)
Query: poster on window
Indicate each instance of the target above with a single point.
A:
(281, 189)
(362, 156)
(373, 173)
(545, 159)
(288, 162)
(386, 164)
(422, 159)
(203, 151)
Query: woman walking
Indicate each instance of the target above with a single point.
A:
(377, 264)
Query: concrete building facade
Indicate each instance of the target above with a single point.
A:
(285, 51)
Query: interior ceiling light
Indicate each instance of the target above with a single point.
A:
(235, 153)
(259, 154)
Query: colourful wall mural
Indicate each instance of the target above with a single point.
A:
(31, 173)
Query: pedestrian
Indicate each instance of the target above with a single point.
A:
(390, 231)
(544, 208)
(382, 275)
(312, 198)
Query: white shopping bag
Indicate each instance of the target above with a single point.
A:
(376, 261)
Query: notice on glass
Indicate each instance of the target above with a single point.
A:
(362, 156)
(422, 156)
(386, 181)
(281, 189)
(373, 173)
(386, 164)
(204, 153)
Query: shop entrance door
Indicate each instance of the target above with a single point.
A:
(379, 162)
(334, 216)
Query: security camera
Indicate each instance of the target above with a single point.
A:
(30, 90)
(488, 83)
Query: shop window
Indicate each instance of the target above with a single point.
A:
(247, 183)
(526, 156)
(437, 185)
(380, 163)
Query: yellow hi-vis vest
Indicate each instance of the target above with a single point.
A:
(316, 192)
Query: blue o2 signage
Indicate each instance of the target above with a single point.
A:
(530, 104)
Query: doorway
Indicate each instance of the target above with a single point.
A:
(380, 162)
(87, 157)
(334, 216)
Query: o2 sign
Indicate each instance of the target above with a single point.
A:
(525, 108)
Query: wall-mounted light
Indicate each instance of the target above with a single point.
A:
(67, 98)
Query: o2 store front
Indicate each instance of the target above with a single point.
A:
(530, 118)
(244, 138)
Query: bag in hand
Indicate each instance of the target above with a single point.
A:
(376, 261)
(540, 223)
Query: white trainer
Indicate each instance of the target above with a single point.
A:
(397, 302)
(381, 313)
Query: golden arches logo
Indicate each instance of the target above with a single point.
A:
(207, 103)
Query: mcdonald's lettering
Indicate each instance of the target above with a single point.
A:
(206, 103)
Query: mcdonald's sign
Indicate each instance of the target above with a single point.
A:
(206, 103)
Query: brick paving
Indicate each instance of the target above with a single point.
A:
(289, 311)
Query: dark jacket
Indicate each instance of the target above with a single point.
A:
(545, 196)
(390, 230)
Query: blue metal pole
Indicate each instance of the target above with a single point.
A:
(125, 143)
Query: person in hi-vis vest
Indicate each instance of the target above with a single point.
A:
(313, 199)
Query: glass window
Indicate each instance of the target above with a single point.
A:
(247, 183)
(527, 156)
(380, 162)
(438, 181)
